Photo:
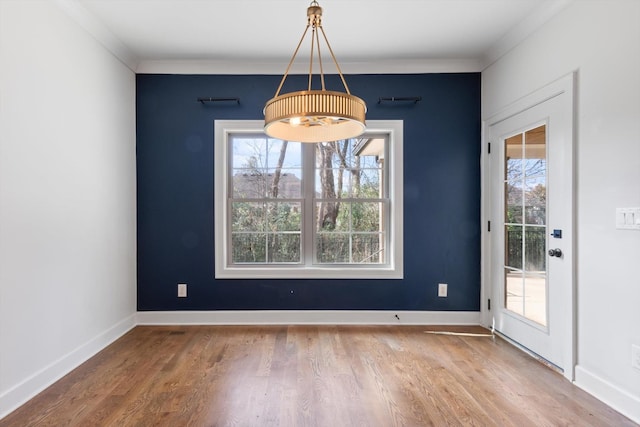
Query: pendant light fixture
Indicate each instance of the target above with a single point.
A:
(314, 115)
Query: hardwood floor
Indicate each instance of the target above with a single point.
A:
(311, 376)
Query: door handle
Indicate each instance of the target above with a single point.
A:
(555, 252)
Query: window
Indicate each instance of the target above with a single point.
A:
(293, 210)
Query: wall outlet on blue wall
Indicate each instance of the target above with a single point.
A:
(442, 289)
(182, 290)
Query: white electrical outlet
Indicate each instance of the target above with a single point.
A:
(182, 290)
(442, 289)
(635, 356)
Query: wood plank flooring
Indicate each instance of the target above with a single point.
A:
(311, 376)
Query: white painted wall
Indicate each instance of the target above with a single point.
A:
(601, 40)
(67, 197)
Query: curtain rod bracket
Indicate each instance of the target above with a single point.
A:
(414, 99)
(203, 100)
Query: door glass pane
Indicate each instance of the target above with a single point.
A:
(525, 216)
(513, 158)
(535, 208)
(535, 253)
(535, 176)
(514, 290)
(535, 297)
(513, 201)
(513, 246)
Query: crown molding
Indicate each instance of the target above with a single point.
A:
(525, 28)
(100, 32)
(396, 66)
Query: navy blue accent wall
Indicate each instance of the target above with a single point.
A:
(441, 194)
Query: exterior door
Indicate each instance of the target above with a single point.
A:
(531, 213)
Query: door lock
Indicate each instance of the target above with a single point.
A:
(555, 252)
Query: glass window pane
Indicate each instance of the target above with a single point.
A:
(264, 167)
(267, 194)
(259, 152)
(248, 248)
(365, 216)
(336, 154)
(535, 176)
(249, 184)
(282, 154)
(368, 248)
(535, 144)
(514, 169)
(248, 152)
(339, 152)
(271, 232)
(371, 162)
(535, 249)
(535, 169)
(284, 247)
(367, 183)
(340, 172)
(331, 184)
(248, 216)
(536, 202)
(332, 216)
(513, 192)
(535, 298)
(284, 216)
(525, 245)
(513, 246)
(332, 248)
(513, 157)
(284, 183)
(514, 290)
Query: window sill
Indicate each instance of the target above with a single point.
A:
(329, 272)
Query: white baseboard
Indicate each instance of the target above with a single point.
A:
(27, 389)
(620, 400)
(308, 317)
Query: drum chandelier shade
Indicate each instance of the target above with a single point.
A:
(314, 115)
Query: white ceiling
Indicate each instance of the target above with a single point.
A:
(259, 32)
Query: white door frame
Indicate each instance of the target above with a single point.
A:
(564, 85)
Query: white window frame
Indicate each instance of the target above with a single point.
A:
(393, 129)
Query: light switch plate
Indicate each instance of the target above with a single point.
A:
(635, 356)
(628, 218)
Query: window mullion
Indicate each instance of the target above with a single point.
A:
(308, 209)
